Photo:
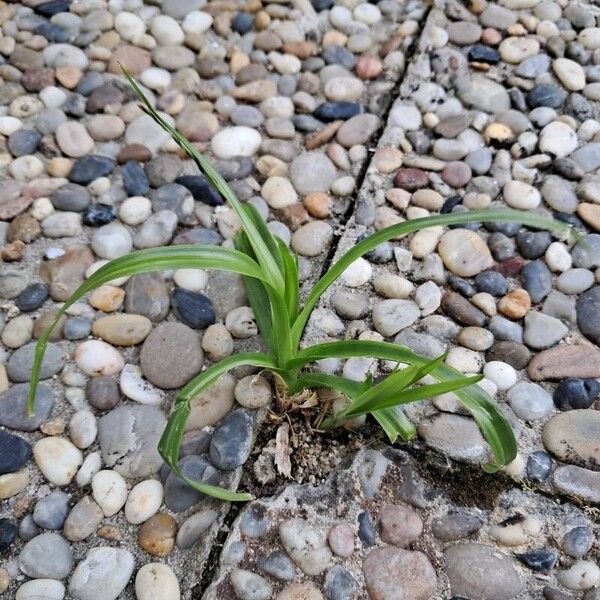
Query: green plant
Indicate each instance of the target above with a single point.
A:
(270, 274)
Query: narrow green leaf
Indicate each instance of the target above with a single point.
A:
(492, 422)
(196, 256)
(257, 296)
(393, 383)
(395, 423)
(264, 257)
(409, 395)
(290, 274)
(407, 227)
(170, 442)
(316, 380)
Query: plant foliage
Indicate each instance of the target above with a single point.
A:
(270, 273)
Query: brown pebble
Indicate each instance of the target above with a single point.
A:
(318, 204)
(54, 426)
(35, 80)
(107, 298)
(294, 215)
(157, 535)
(132, 58)
(491, 37)
(399, 525)
(390, 45)
(23, 228)
(137, 152)
(456, 174)
(368, 67)
(109, 532)
(411, 179)
(13, 252)
(69, 77)
(510, 267)
(322, 136)
(300, 49)
(43, 321)
(516, 304)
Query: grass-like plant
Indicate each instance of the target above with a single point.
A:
(270, 274)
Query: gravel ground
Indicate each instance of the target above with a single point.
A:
(334, 119)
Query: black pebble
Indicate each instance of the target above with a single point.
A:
(8, 533)
(342, 110)
(192, 308)
(32, 297)
(541, 559)
(135, 180)
(539, 466)
(201, 189)
(49, 9)
(484, 54)
(98, 214)
(576, 393)
(366, 529)
(14, 452)
(242, 22)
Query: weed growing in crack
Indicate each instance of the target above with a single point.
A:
(270, 274)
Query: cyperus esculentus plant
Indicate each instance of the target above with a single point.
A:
(271, 277)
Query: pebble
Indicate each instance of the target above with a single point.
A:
(157, 535)
(13, 407)
(95, 358)
(156, 581)
(49, 589)
(83, 520)
(14, 452)
(278, 565)
(529, 401)
(103, 568)
(58, 459)
(128, 437)
(391, 316)
(179, 496)
(306, 545)
(502, 578)
(143, 501)
(391, 573)
(250, 586)
(51, 511)
(570, 437)
(464, 252)
(231, 442)
(235, 141)
(159, 357)
(399, 526)
(47, 555)
(109, 490)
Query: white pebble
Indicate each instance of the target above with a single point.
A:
(90, 466)
(583, 575)
(500, 373)
(94, 358)
(58, 459)
(558, 258)
(156, 581)
(358, 273)
(194, 280)
(143, 501)
(135, 210)
(135, 387)
(83, 429)
(197, 22)
(41, 589)
(109, 491)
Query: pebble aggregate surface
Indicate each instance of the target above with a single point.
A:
(335, 119)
